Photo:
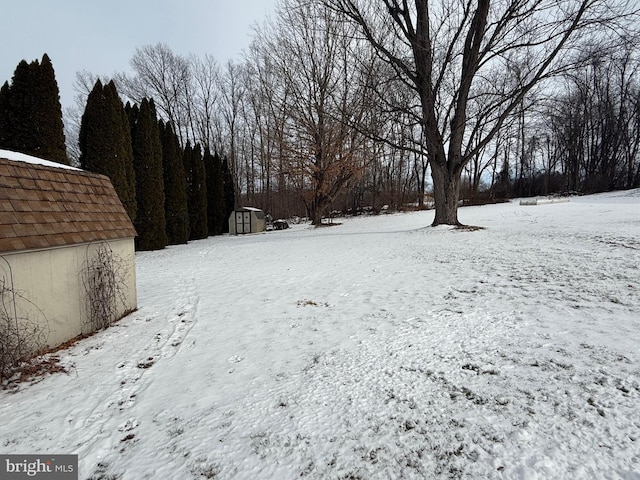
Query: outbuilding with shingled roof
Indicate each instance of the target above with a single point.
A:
(53, 220)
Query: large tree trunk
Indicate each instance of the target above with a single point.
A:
(314, 214)
(316, 211)
(446, 191)
(318, 207)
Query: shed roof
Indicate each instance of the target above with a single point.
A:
(247, 209)
(43, 206)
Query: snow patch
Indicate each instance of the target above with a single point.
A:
(21, 157)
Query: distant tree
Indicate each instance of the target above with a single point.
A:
(205, 98)
(197, 191)
(32, 122)
(165, 76)
(105, 142)
(175, 187)
(147, 161)
(229, 193)
(187, 92)
(233, 93)
(82, 86)
(470, 65)
(595, 124)
(324, 154)
(215, 193)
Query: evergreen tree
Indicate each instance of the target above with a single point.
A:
(197, 186)
(105, 142)
(20, 106)
(50, 139)
(187, 154)
(502, 185)
(229, 193)
(132, 115)
(175, 187)
(32, 112)
(147, 162)
(215, 193)
(5, 121)
(132, 205)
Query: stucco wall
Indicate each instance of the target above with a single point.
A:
(50, 286)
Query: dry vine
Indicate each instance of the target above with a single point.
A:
(105, 286)
(22, 333)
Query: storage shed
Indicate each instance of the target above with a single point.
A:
(247, 220)
(64, 235)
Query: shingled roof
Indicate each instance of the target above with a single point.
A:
(43, 206)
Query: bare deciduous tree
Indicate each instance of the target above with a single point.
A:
(82, 86)
(325, 92)
(164, 76)
(594, 123)
(232, 93)
(205, 101)
(472, 63)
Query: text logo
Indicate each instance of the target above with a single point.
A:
(50, 467)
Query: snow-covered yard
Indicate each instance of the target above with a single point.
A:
(380, 348)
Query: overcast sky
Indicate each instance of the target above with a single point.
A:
(101, 37)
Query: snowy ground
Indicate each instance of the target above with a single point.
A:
(380, 348)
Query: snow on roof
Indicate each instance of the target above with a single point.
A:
(250, 209)
(21, 157)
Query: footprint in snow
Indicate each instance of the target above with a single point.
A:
(129, 425)
(235, 359)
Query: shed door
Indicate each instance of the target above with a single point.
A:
(243, 222)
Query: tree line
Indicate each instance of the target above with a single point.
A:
(584, 137)
(347, 104)
(172, 193)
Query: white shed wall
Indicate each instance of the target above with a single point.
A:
(51, 290)
(247, 220)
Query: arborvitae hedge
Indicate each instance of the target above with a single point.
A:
(197, 186)
(175, 187)
(105, 142)
(31, 113)
(187, 152)
(215, 193)
(229, 192)
(147, 161)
